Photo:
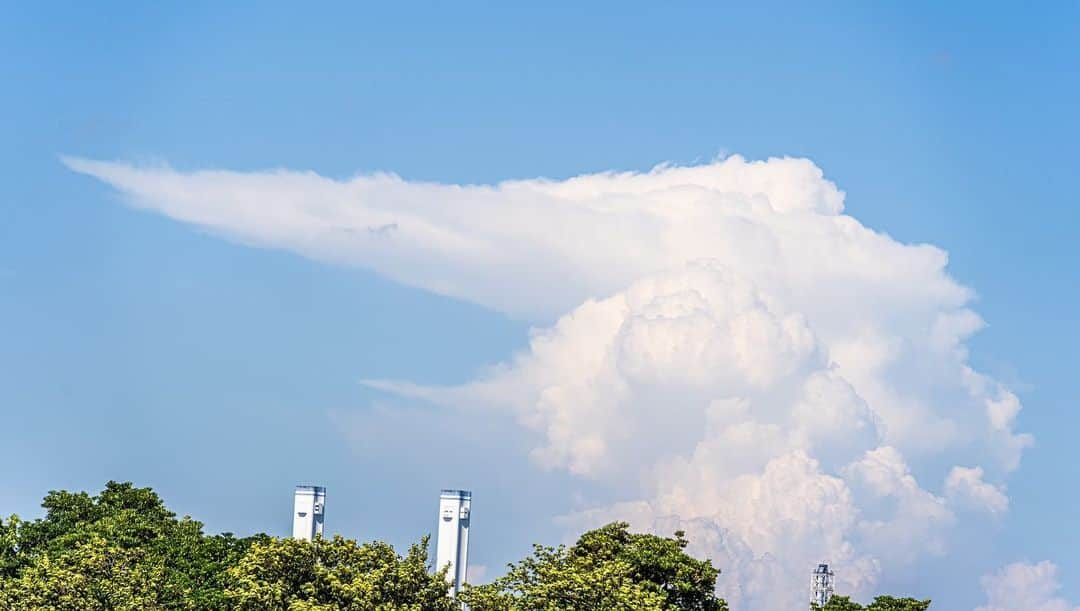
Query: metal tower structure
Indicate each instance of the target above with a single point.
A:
(452, 547)
(309, 503)
(821, 586)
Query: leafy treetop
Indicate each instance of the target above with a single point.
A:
(608, 568)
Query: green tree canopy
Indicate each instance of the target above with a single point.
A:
(888, 603)
(607, 569)
(121, 549)
(838, 603)
(337, 573)
(881, 603)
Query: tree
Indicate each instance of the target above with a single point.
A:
(121, 549)
(839, 603)
(93, 575)
(888, 603)
(9, 548)
(332, 574)
(881, 603)
(607, 569)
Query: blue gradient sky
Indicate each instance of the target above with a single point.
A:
(135, 348)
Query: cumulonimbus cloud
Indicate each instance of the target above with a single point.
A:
(720, 342)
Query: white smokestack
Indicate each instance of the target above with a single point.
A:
(452, 546)
(309, 503)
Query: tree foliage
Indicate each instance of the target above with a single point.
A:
(888, 603)
(337, 573)
(881, 603)
(839, 603)
(121, 549)
(607, 569)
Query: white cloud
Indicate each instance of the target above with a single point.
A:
(763, 528)
(731, 353)
(477, 574)
(1030, 587)
(965, 487)
(541, 247)
(911, 523)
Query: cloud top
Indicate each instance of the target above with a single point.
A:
(536, 248)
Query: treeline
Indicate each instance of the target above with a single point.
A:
(881, 603)
(124, 550)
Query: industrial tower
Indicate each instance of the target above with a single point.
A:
(821, 586)
(453, 544)
(309, 503)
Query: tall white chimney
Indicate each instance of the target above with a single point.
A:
(309, 503)
(452, 547)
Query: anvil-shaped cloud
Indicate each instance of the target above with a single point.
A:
(728, 347)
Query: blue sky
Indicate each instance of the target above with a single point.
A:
(134, 347)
